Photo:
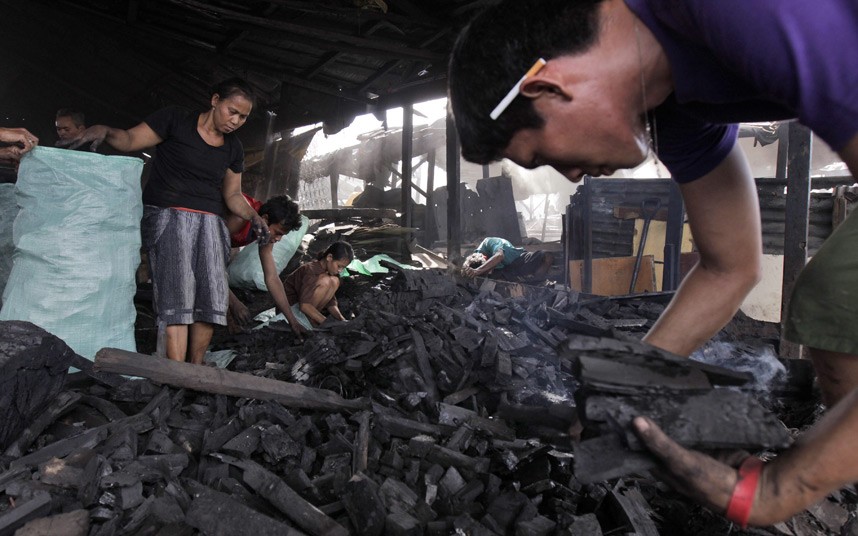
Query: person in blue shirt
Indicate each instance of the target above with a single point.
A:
(499, 254)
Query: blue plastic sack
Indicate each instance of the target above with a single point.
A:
(372, 266)
(245, 270)
(77, 246)
(8, 211)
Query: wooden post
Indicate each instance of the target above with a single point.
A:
(587, 231)
(673, 238)
(429, 221)
(335, 183)
(783, 150)
(795, 220)
(407, 153)
(454, 194)
(269, 153)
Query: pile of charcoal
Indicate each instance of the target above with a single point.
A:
(441, 407)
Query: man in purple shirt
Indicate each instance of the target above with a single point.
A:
(606, 81)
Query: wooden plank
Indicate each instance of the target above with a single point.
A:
(223, 382)
(345, 213)
(611, 276)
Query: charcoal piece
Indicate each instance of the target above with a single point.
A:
(718, 419)
(458, 416)
(33, 367)
(606, 457)
(337, 464)
(510, 342)
(503, 371)
(538, 526)
(468, 493)
(138, 423)
(122, 444)
(38, 506)
(653, 360)
(139, 517)
(64, 402)
(425, 447)
(361, 348)
(397, 496)
(105, 407)
(89, 483)
(451, 482)
(131, 496)
(627, 508)
(75, 523)
(217, 514)
(364, 506)
(214, 474)
(245, 443)
(423, 362)
(465, 524)
(461, 439)
(612, 375)
(575, 327)
(408, 428)
(277, 444)
(583, 525)
(56, 472)
(213, 440)
(160, 443)
(541, 334)
(402, 524)
(505, 509)
(360, 460)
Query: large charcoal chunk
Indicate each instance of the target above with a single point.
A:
(33, 367)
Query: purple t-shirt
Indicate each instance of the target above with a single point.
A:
(740, 60)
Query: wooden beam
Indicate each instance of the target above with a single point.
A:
(385, 47)
(795, 233)
(407, 155)
(222, 382)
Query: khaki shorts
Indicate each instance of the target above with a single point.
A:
(823, 311)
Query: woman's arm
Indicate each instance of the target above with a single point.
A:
(238, 205)
(133, 139)
(275, 287)
(335, 312)
(312, 313)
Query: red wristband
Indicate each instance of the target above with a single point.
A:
(739, 509)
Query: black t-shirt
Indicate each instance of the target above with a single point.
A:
(187, 172)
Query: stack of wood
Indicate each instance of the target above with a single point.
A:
(445, 412)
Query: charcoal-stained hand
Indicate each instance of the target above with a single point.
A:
(22, 139)
(93, 135)
(690, 472)
(260, 229)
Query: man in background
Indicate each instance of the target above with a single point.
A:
(70, 124)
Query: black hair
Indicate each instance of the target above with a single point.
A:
(235, 86)
(337, 251)
(77, 117)
(475, 260)
(495, 50)
(281, 209)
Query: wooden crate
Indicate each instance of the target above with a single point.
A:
(612, 275)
